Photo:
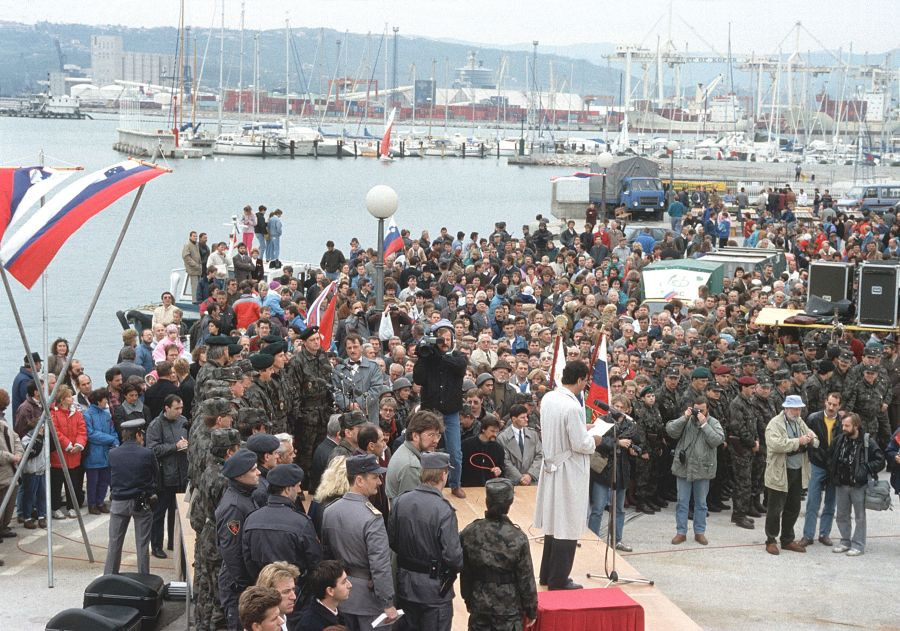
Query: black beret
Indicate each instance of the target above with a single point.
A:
(240, 463)
(308, 332)
(235, 349)
(261, 361)
(285, 475)
(262, 443)
(274, 348)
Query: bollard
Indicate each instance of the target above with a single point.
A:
(498, 149)
(355, 152)
(377, 148)
(264, 148)
(481, 151)
(464, 150)
(340, 148)
(316, 148)
(292, 150)
(402, 149)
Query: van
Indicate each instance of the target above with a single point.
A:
(875, 197)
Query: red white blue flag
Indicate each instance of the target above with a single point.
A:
(22, 187)
(393, 242)
(29, 249)
(599, 390)
(323, 318)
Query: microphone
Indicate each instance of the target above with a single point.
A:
(613, 411)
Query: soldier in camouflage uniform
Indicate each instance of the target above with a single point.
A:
(650, 430)
(743, 441)
(871, 357)
(208, 613)
(891, 364)
(257, 395)
(699, 378)
(278, 387)
(842, 365)
(717, 406)
(781, 387)
(309, 376)
(214, 413)
(799, 374)
(667, 404)
(216, 357)
(497, 581)
(724, 380)
(867, 398)
(765, 411)
(816, 387)
(402, 387)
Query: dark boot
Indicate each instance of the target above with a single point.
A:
(752, 512)
(743, 522)
(759, 506)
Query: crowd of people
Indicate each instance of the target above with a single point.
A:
(309, 468)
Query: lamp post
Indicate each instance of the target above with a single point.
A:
(604, 161)
(381, 202)
(671, 146)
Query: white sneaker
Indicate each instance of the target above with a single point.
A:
(58, 514)
(855, 553)
(839, 549)
(72, 514)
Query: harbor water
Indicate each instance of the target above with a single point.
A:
(321, 198)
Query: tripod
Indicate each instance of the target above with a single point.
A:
(611, 574)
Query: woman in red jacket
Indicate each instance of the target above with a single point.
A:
(72, 432)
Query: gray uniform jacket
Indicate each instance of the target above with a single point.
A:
(403, 470)
(353, 532)
(699, 445)
(516, 464)
(422, 528)
(361, 387)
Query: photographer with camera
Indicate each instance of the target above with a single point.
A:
(787, 473)
(439, 371)
(699, 436)
(133, 480)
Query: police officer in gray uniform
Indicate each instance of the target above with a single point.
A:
(353, 533)
(134, 476)
(424, 533)
(231, 513)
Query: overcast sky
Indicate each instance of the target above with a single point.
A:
(757, 25)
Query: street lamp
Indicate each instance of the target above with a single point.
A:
(381, 202)
(671, 146)
(604, 161)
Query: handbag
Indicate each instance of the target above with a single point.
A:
(878, 492)
(598, 462)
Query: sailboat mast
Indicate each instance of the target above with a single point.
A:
(221, 71)
(255, 77)
(287, 68)
(241, 66)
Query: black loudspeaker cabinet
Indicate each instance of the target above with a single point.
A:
(96, 618)
(144, 592)
(831, 281)
(878, 292)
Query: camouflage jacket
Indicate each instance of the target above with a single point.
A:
(497, 576)
(308, 378)
(742, 422)
(650, 426)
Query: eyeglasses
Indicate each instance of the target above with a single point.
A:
(432, 434)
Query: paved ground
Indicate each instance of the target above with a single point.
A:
(731, 584)
(734, 584)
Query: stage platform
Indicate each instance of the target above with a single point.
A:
(660, 612)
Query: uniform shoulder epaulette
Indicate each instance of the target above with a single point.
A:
(372, 508)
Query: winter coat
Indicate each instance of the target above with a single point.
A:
(162, 434)
(72, 431)
(36, 464)
(101, 437)
(699, 445)
(868, 461)
(275, 227)
(778, 445)
(10, 446)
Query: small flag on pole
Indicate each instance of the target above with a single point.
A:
(393, 242)
(599, 389)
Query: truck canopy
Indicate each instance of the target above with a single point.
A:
(681, 278)
(618, 171)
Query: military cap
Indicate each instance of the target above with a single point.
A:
(500, 365)
(646, 390)
(752, 346)
(498, 491)
(261, 361)
(467, 384)
(285, 475)
(658, 354)
(235, 349)
(365, 463)
(252, 417)
(243, 365)
(349, 420)
(683, 350)
(240, 463)
(218, 340)
(485, 376)
(799, 367)
(262, 443)
(846, 355)
(217, 389)
(782, 375)
(435, 460)
(274, 348)
(764, 380)
(271, 338)
(747, 360)
(872, 351)
(223, 438)
(673, 372)
(771, 354)
(825, 367)
(137, 423)
(791, 348)
(228, 373)
(308, 332)
(646, 362)
(400, 383)
(700, 373)
(747, 380)
(216, 406)
(868, 368)
(714, 387)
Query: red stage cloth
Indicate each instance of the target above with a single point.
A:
(608, 609)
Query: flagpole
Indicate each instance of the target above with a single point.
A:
(65, 368)
(45, 387)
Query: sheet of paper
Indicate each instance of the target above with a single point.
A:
(600, 428)
(381, 621)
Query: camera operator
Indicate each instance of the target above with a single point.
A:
(133, 480)
(699, 436)
(439, 371)
(601, 483)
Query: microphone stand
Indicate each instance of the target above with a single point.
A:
(611, 574)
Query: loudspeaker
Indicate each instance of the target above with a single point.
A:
(144, 592)
(878, 292)
(96, 618)
(830, 281)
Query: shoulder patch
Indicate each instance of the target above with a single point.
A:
(372, 508)
(234, 527)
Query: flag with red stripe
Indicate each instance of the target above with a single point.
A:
(29, 249)
(559, 361)
(393, 242)
(599, 389)
(22, 187)
(323, 318)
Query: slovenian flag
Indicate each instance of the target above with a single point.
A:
(31, 247)
(323, 319)
(22, 187)
(559, 361)
(599, 390)
(393, 242)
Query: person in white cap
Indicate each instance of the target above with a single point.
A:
(787, 473)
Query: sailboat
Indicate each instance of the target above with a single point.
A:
(384, 152)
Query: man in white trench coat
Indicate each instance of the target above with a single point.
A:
(562, 498)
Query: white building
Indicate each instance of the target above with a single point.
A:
(111, 63)
(877, 104)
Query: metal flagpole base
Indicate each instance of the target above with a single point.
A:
(615, 579)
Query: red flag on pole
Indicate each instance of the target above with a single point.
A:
(599, 389)
(326, 325)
